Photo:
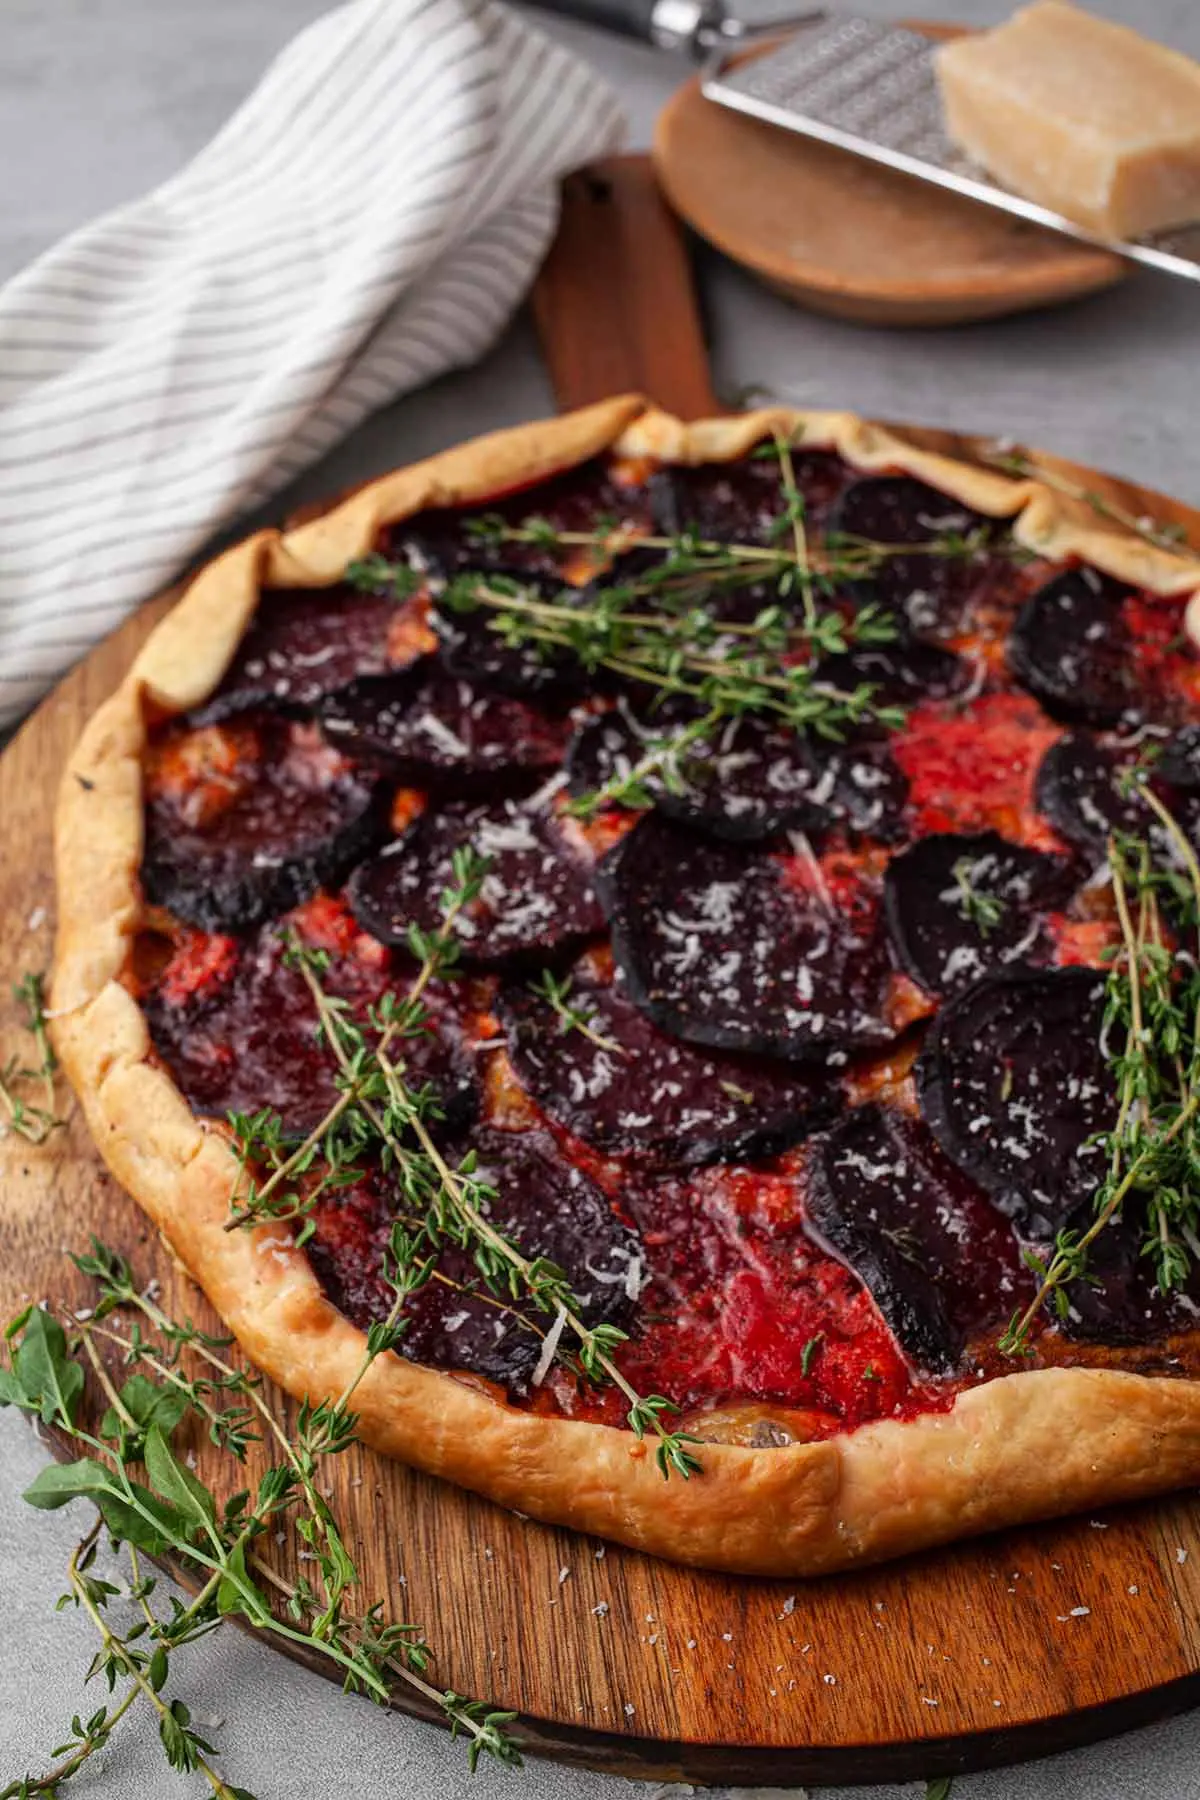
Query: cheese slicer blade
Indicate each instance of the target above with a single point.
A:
(871, 88)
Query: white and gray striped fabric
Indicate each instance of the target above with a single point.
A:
(370, 218)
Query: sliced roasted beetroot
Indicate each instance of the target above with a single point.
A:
(1014, 1082)
(425, 726)
(1179, 763)
(608, 747)
(536, 897)
(750, 781)
(248, 818)
(931, 592)
(753, 781)
(544, 1204)
(938, 1259)
(730, 947)
(303, 644)
(859, 786)
(731, 592)
(236, 1025)
(901, 673)
(1119, 1301)
(628, 1089)
(473, 649)
(1079, 790)
(959, 906)
(744, 501)
(446, 540)
(1070, 647)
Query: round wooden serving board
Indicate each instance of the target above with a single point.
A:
(850, 237)
(1011, 1647)
(1014, 1646)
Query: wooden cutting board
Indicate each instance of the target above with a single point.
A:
(1011, 1647)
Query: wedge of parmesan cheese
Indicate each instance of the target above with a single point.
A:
(1082, 116)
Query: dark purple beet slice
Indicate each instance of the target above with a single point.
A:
(1081, 788)
(304, 643)
(725, 946)
(642, 1094)
(544, 1204)
(1014, 1082)
(300, 816)
(423, 725)
(748, 783)
(575, 501)
(941, 939)
(536, 897)
(608, 746)
(1179, 763)
(754, 782)
(1119, 1302)
(743, 501)
(901, 673)
(472, 649)
(1078, 790)
(247, 1037)
(646, 579)
(1071, 649)
(932, 594)
(751, 781)
(938, 1259)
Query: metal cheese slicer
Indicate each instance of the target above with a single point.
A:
(856, 83)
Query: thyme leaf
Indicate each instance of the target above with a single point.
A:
(573, 1015)
(32, 1119)
(975, 904)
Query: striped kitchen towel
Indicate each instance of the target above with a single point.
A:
(370, 218)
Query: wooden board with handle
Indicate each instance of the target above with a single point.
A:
(1014, 1646)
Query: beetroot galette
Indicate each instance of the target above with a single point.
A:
(683, 934)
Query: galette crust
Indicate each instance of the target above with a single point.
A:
(1025, 1446)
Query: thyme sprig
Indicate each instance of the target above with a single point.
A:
(1012, 460)
(32, 1119)
(766, 666)
(337, 1144)
(1152, 1001)
(379, 1115)
(975, 904)
(151, 1502)
(454, 1202)
(665, 630)
(573, 1014)
(668, 627)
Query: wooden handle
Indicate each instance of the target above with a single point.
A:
(615, 306)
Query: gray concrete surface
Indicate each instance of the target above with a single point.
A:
(98, 100)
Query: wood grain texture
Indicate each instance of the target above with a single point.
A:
(849, 237)
(614, 302)
(1018, 1645)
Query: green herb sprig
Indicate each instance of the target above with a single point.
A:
(453, 1203)
(33, 1119)
(152, 1503)
(336, 1146)
(573, 1014)
(1012, 460)
(666, 627)
(1152, 1005)
(975, 904)
(379, 1116)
